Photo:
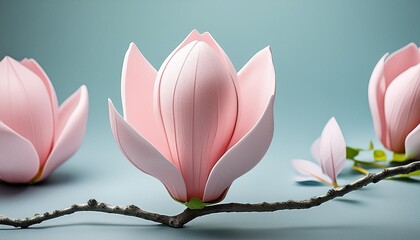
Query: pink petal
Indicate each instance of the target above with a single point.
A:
(412, 144)
(309, 168)
(26, 106)
(401, 60)
(376, 93)
(333, 149)
(146, 157)
(315, 149)
(402, 101)
(256, 87)
(72, 119)
(19, 161)
(137, 83)
(198, 104)
(242, 157)
(208, 38)
(33, 65)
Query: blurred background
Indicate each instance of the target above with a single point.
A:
(324, 53)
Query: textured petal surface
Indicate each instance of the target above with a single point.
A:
(412, 144)
(333, 150)
(198, 105)
(256, 87)
(72, 119)
(402, 101)
(19, 161)
(309, 168)
(242, 157)
(376, 93)
(315, 148)
(146, 157)
(137, 84)
(400, 61)
(26, 106)
(38, 70)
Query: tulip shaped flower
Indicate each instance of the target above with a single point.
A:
(196, 124)
(36, 135)
(329, 150)
(394, 99)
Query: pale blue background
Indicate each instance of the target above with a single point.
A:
(324, 53)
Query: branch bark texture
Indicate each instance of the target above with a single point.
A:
(179, 220)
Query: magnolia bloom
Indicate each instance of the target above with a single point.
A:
(394, 99)
(329, 150)
(36, 135)
(196, 124)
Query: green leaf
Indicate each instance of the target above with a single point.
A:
(399, 157)
(371, 147)
(351, 153)
(195, 203)
(379, 155)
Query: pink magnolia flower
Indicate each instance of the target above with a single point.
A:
(196, 125)
(36, 135)
(394, 99)
(329, 150)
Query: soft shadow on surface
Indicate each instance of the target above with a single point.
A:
(203, 231)
(80, 224)
(9, 190)
(349, 201)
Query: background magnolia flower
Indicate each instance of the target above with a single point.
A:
(36, 135)
(196, 125)
(329, 150)
(394, 99)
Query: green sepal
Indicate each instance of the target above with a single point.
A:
(371, 147)
(379, 155)
(351, 153)
(195, 203)
(399, 157)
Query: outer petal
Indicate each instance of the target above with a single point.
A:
(315, 149)
(19, 161)
(137, 83)
(33, 65)
(256, 87)
(146, 157)
(309, 168)
(242, 157)
(333, 150)
(72, 119)
(412, 144)
(401, 60)
(26, 106)
(376, 93)
(402, 101)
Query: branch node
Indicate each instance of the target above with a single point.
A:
(92, 202)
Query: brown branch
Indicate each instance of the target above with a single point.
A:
(188, 215)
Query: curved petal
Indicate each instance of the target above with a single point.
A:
(33, 65)
(315, 148)
(26, 104)
(72, 119)
(242, 157)
(333, 149)
(412, 144)
(401, 60)
(309, 168)
(198, 107)
(146, 157)
(376, 93)
(402, 101)
(19, 161)
(256, 87)
(137, 83)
